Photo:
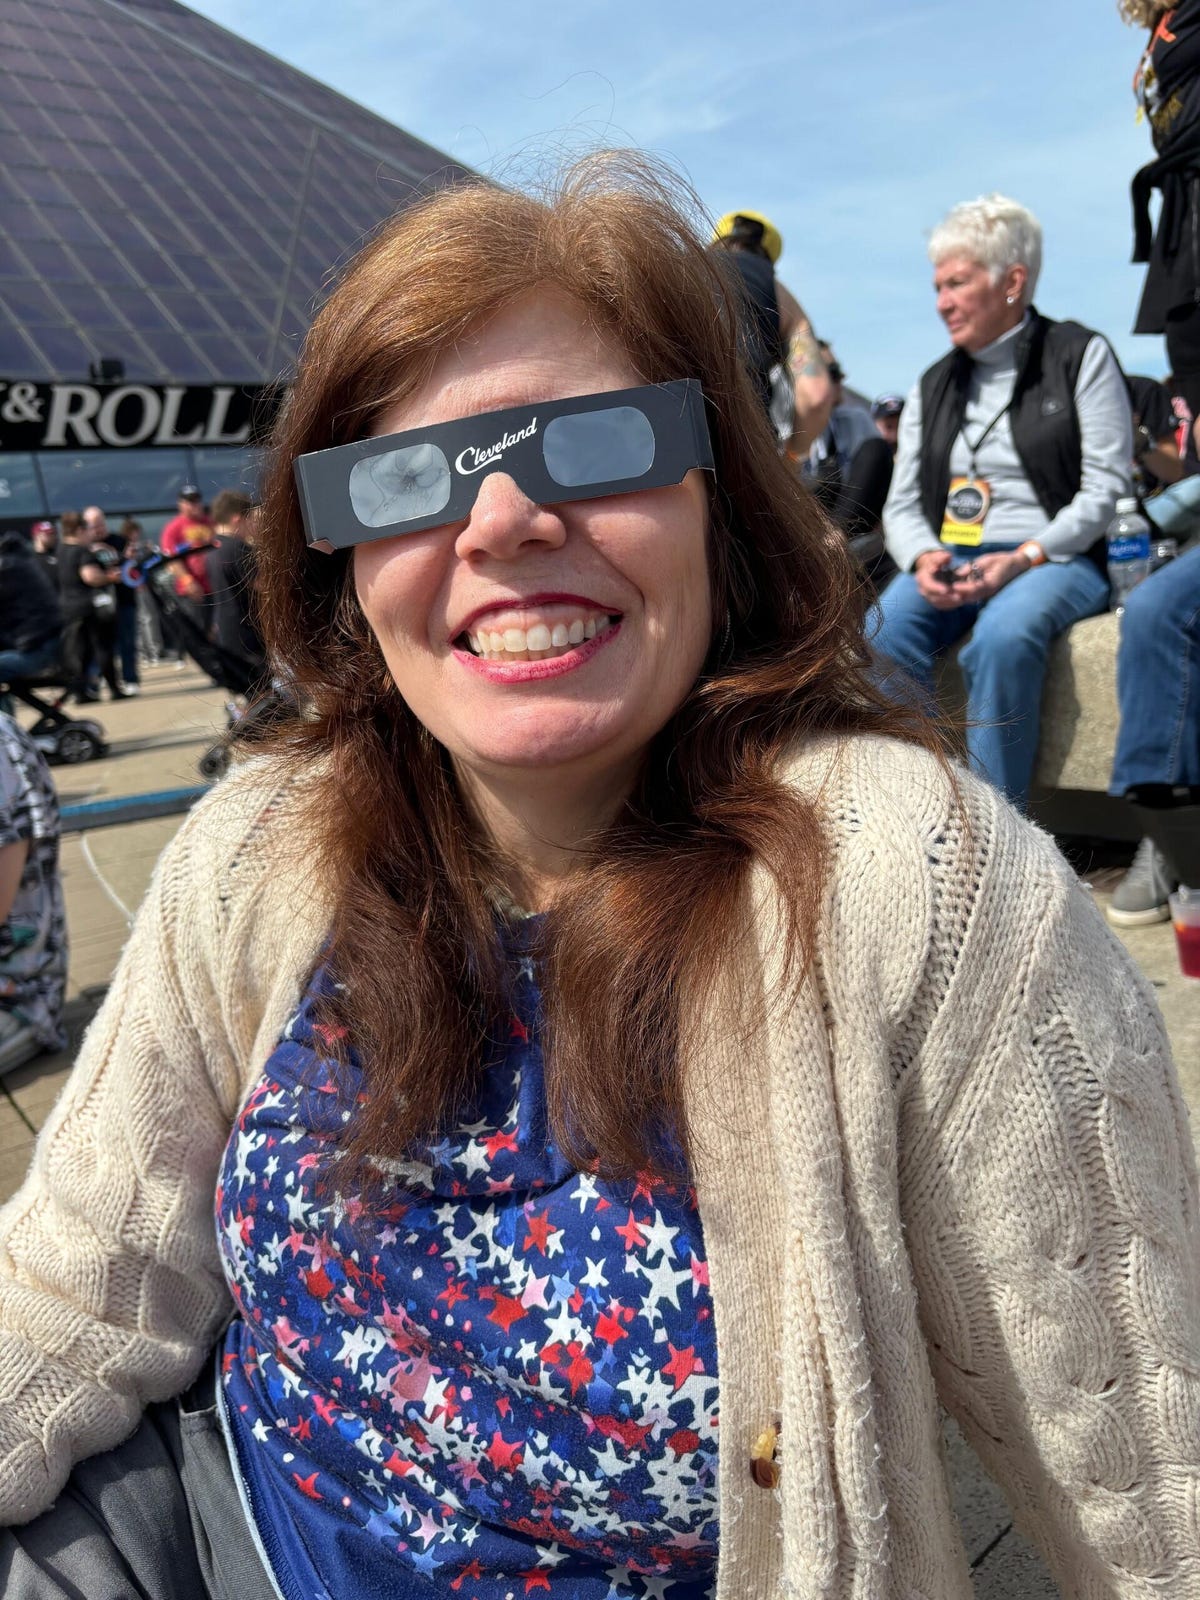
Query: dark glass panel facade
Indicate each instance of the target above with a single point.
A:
(20, 490)
(176, 199)
(118, 480)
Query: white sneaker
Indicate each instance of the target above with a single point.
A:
(1140, 899)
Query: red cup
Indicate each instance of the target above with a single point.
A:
(1185, 917)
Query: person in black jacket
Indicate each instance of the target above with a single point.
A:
(1013, 450)
(30, 615)
(87, 575)
(1167, 85)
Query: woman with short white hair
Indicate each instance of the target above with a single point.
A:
(1013, 451)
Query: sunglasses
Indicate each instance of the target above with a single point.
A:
(578, 449)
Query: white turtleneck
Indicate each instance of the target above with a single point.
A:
(1105, 429)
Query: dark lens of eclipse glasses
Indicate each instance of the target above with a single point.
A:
(400, 486)
(584, 448)
(598, 446)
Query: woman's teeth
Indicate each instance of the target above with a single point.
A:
(541, 642)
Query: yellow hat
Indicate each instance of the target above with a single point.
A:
(772, 241)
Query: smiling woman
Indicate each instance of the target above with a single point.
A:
(608, 1025)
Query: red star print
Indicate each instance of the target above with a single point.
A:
(319, 1284)
(518, 1030)
(609, 1328)
(630, 1434)
(684, 1442)
(325, 1409)
(396, 1463)
(302, 1429)
(471, 1570)
(540, 1231)
(682, 1364)
(644, 1187)
(308, 1485)
(579, 1368)
(536, 1578)
(452, 1294)
(506, 1311)
(505, 1457)
(631, 1232)
(500, 1140)
(699, 1273)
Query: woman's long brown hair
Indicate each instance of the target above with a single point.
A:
(648, 920)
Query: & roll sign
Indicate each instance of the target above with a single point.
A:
(124, 416)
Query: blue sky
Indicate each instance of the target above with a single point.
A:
(853, 126)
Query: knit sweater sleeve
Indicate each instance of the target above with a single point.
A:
(110, 1284)
(1051, 1213)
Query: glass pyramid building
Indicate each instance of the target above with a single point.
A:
(173, 202)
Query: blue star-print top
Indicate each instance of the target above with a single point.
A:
(498, 1379)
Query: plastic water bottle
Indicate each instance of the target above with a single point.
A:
(1128, 551)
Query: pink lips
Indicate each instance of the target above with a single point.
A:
(533, 671)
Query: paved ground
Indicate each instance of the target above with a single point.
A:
(156, 742)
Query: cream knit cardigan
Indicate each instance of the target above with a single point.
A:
(958, 1169)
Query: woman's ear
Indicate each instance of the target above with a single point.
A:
(1016, 280)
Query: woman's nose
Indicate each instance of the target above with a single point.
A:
(504, 520)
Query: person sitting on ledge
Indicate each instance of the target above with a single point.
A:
(1013, 450)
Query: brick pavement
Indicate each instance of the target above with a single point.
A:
(156, 742)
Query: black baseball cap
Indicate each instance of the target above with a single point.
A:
(887, 405)
(189, 492)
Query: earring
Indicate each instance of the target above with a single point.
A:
(1012, 299)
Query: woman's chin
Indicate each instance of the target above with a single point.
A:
(542, 745)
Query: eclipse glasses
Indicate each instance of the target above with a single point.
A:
(581, 448)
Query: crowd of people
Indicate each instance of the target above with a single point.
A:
(74, 609)
(74, 602)
(604, 1020)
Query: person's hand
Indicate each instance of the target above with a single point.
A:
(941, 595)
(985, 576)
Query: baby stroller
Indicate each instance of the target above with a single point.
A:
(62, 740)
(256, 702)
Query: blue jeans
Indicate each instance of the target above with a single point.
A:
(127, 642)
(1158, 679)
(1003, 663)
(1176, 511)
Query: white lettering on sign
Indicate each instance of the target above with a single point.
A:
(106, 421)
(172, 400)
(82, 415)
(72, 406)
(218, 411)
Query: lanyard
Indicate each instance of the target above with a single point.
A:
(974, 449)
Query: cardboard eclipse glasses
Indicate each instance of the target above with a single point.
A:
(580, 448)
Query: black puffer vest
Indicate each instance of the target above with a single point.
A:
(1044, 422)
